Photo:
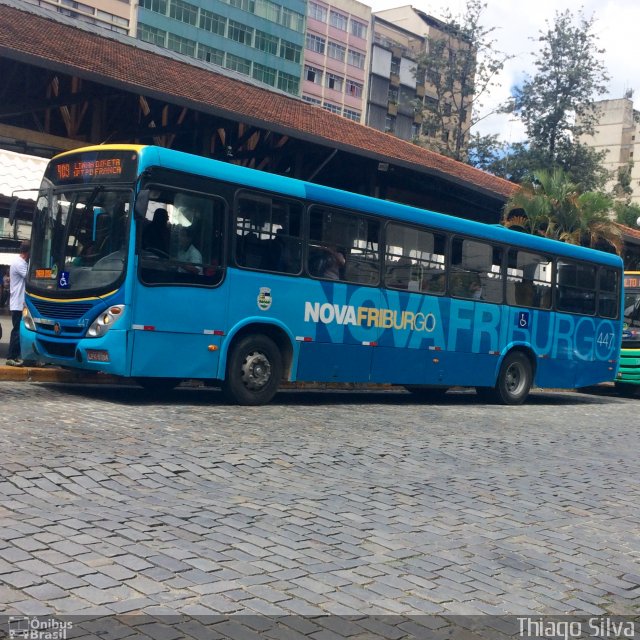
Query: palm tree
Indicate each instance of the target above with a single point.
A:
(552, 206)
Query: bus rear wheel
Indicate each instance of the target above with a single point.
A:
(514, 381)
(254, 370)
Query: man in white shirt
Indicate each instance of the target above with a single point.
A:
(17, 278)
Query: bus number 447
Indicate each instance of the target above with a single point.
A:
(605, 339)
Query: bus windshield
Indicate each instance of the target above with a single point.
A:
(79, 238)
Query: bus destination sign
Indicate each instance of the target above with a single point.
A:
(97, 166)
(632, 282)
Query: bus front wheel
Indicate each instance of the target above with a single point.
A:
(514, 381)
(254, 370)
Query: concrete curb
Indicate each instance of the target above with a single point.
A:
(56, 374)
(53, 374)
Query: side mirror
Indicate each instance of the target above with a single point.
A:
(13, 210)
(142, 203)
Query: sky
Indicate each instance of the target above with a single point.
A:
(518, 24)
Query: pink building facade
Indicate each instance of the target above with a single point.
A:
(336, 57)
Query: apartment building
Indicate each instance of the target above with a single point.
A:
(617, 133)
(116, 15)
(261, 39)
(336, 53)
(395, 87)
(401, 93)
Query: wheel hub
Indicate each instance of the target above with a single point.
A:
(256, 371)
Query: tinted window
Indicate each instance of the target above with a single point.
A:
(268, 233)
(181, 240)
(414, 259)
(576, 287)
(343, 246)
(529, 279)
(608, 301)
(476, 270)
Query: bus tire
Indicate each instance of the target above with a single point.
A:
(514, 380)
(625, 389)
(254, 370)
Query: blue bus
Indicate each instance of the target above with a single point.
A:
(161, 266)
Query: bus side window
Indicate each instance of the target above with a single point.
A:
(528, 279)
(472, 264)
(576, 287)
(268, 233)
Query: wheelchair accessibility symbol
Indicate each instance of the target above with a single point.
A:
(63, 280)
(523, 319)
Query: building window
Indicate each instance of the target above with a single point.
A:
(312, 74)
(266, 42)
(209, 54)
(315, 43)
(290, 51)
(236, 63)
(392, 96)
(288, 83)
(183, 11)
(292, 19)
(354, 89)
(415, 130)
(158, 6)
(213, 22)
(358, 29)
(267, 9)
(447, 109)
(267, 75)
(152, 35)
(351, 115)
(240, 33)
(181, 45)
(395, 66)
(333, 81)
(336, 51)
(245, 5)
(338, 20)
(317, 12)
(311, 100)
(334, 108)
(355, 59)
(390, 124)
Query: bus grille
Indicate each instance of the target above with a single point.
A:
(61, 310)
(58, 349)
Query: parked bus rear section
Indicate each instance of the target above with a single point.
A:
(161, 266)
(628, 379)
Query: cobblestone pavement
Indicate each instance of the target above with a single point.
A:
(323, 502)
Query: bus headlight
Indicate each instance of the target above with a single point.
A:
(105, 321)
(28, 319)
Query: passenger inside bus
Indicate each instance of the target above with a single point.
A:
(328, 263)
(156, 236)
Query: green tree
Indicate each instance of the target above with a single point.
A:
(553, 206)
(627, 214)
(555, 104)
(461, 65)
